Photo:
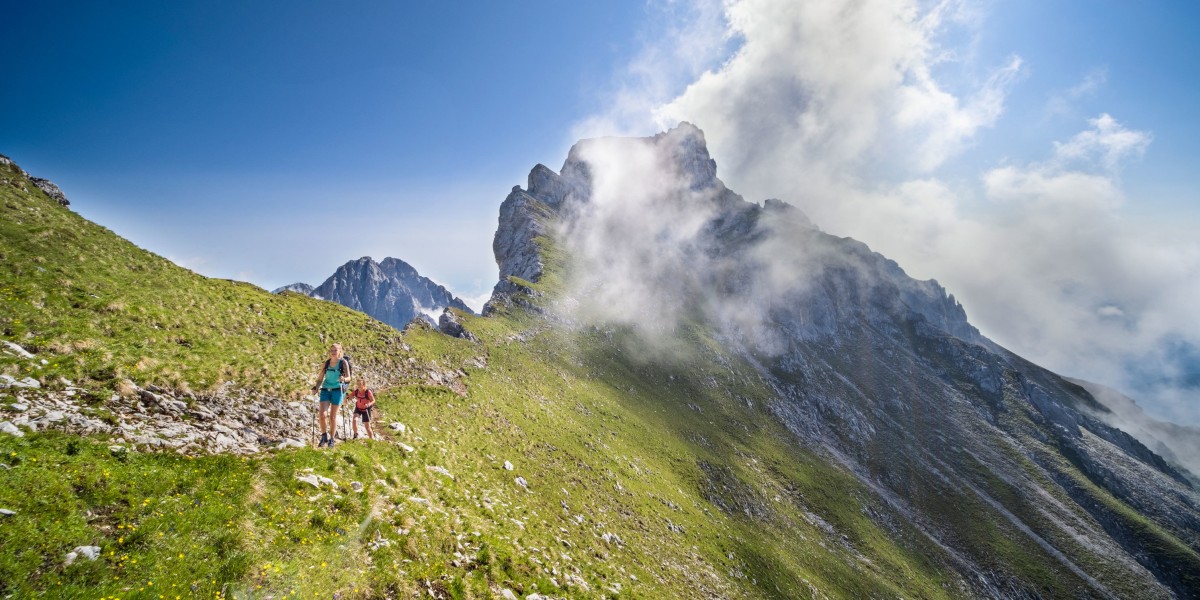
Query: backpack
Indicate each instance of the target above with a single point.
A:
(348, 371)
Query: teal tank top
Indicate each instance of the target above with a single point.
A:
(332, 374)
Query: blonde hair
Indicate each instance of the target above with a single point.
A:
(360, 383)
(338, 348)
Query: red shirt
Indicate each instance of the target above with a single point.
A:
(363, 399)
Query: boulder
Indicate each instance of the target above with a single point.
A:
(450, 325)
(15, 349)
(50, 189)
(85, 552)
(289, 443)
(10, 429)
(310, 479)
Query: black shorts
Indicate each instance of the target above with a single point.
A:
(365, 412)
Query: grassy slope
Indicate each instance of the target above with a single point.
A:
(101, 309)
(680, 460)
(586, 427)
(618, 458)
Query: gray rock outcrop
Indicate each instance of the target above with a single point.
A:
(50, 189)
(450, 325)
(23, 179)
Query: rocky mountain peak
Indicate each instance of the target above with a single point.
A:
(390, 290)
(734, 244)
(881, 370)
(682, 151)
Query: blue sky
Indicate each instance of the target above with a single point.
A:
(187, 126)
(1037, 158)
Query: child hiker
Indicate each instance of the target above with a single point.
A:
(333, 373)
(364, 401)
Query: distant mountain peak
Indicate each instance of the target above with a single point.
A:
(390, 290)
(299, 288)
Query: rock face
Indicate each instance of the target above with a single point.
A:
(50, 190)
(1178, 444)
(885, 374)
(45, 185)
(450, 325)
(391, 291)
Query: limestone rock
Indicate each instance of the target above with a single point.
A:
(50, 189)
(450, 325)
(85, 552)
(517, 254)
(25, 382)
(310, 479)
(16, 349)
(439, 470)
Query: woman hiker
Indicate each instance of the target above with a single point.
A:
(334, 372)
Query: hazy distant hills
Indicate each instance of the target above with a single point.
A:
(390, 290)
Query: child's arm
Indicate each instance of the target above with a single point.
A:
(370, 399)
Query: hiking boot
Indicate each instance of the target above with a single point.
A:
(330, 442)
(324, 440)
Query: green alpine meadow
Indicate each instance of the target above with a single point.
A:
(710, 398)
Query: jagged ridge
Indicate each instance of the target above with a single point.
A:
(390, 290)
(886, 374)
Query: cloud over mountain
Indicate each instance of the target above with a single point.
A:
(849, 113)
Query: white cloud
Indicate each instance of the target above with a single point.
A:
(635, 240)
(1106, 143)
(688, 37)
(477, 300)
(845, 110)
(835, 88)
(1062, 103)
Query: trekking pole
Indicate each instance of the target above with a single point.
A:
(342, 412)
(345, 422)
